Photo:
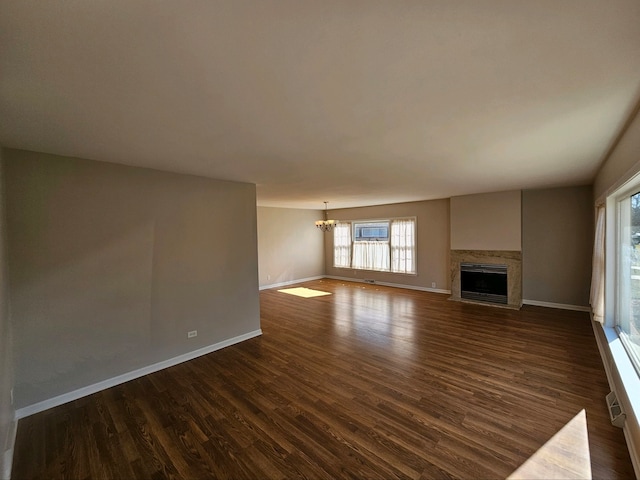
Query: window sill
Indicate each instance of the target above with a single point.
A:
(624, 366)
(624, 380)
(375, 271)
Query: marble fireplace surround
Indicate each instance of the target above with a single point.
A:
(513, 261)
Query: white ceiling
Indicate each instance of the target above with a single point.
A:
(357, 102)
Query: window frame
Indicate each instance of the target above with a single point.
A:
(389, 221)
(355, 224)
(615, 203)
(349, 230)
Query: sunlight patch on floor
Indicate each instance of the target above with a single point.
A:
(304, 292)
(565, 455)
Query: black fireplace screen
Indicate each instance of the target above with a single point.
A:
(487, 283)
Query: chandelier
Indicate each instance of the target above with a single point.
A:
(326, 225)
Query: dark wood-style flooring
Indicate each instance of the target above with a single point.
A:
(369, 382)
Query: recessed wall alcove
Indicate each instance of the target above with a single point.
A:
(513, 261)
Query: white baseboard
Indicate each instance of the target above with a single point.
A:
(291, 282)
(562, 306)
(112, 382)
(388, 284)
(7, 456)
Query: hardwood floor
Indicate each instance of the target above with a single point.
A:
(369, 382)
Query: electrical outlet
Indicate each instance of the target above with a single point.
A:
(192, 333)
(433, 284)
(268, 277)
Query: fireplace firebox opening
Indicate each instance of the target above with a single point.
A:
(483, 282)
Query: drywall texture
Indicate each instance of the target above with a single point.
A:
(488, 221)
(290, 247)
(622, 164)
(557, 245)
(432, 239)
(111, 266)
(6, 361)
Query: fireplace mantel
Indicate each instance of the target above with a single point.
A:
(512, 259)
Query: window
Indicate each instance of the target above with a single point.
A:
(381, 245)
(376, 231)
(371, 246)
(342, 245)
(403, 246)
(628, 273)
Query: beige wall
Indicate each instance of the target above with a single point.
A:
(622, 164)
(111, 266)
(6, 360)
(432, 237)
(487, 221)
(290, 247)
(557, 243)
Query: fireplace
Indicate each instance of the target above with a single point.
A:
(513, 261)
(484, 282)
